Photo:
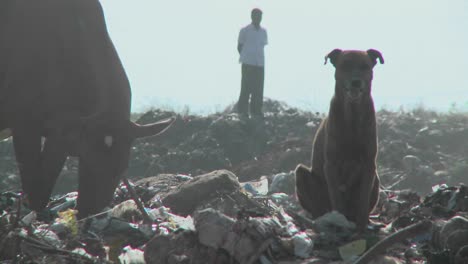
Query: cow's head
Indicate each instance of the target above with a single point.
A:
(354, 72)
(103, 152)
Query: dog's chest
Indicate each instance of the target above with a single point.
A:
(352, 150)
(354, 138)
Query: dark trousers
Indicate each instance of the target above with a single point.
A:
(251, 87)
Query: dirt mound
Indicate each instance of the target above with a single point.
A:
(417, 149)
(220, 189)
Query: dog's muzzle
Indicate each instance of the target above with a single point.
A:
(354, 88)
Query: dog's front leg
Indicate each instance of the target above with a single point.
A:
(333, 175)
(368, 178)
(366, 188)
(335, 188)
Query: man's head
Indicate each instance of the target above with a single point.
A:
(256, 16)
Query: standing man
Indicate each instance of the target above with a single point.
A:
(252, 40)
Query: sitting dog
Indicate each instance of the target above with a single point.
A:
(343, 176)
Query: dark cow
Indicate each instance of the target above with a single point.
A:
(343, 176)
(64, 92)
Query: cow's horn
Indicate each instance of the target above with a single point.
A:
(139, 131)
(5, 133)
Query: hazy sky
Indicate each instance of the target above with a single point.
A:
(183, 53)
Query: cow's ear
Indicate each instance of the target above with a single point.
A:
(374, 55)
(333, 56)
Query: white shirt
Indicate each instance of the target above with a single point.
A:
(253, 41)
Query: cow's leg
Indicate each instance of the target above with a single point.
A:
(27, 145)
(312, 191)
(52, 159)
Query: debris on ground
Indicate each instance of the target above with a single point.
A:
(221, 189)
(234, 226)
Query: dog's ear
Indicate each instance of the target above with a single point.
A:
(374, 54)
(333, 56)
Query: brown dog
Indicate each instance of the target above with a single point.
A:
(343, 176)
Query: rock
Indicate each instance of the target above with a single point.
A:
(280, 198)
(178, 259)
(441, 174)
(127, 210)
(213, 227)
(391, 210)
(411, 163)
(181, 248)
(48, 236)
(60, 229)
(446, 201)
(283, 183)
(456, 241)
(436, 133)
(455, 224)
(333, 220)
(112, 229)
(461, 257)
(453, 236)
(333, 228)
(10, 242)
(385, 260)
(244, 239)
(190, 194)
(154, 187)
(158, 249)
(303, 245)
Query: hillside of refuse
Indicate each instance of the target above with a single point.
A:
(220, 189)
(417, 149)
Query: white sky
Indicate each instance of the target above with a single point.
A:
(183, 53)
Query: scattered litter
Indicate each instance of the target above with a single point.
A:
(256, 187)
(200, 213)
(333, 221)
(352, 250)
(132, 256)
(303, 245)
(283, 183)
(438, 187)
(29, 218)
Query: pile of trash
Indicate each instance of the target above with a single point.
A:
(221, 189)
(214, 218)
(199, 144)
(417, 149)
